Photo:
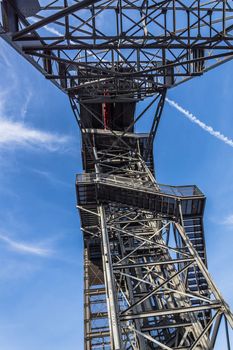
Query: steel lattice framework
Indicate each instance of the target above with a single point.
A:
(131, 48)
(146, 282)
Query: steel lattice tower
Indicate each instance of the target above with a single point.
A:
(146, 283)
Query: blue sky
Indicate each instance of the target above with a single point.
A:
(41, 293)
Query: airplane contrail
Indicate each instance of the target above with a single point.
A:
(202, 125)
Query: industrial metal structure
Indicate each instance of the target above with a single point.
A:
(146, 282)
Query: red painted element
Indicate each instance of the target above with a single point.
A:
(106, 111)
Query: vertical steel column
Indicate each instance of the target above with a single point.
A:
(86, 302)
(108, 274)
(109, 282)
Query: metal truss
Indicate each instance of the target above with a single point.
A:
(156, 309)
(116, 50)
(88, 115)
(159, 294)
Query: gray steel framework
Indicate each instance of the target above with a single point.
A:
(108, 49)
(146, 282)
(152, 289)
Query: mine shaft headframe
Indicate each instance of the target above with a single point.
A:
(124, 49)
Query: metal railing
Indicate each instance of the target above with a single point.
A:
(134, 183)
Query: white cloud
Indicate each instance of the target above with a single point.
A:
(228, 220)
(25, 105)
(202, 125)
(48, 28)
(14, 134)
(13, 131)
(8, 69)
(21, 247)
(51, 178)
(5, 60)
(53, 30)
